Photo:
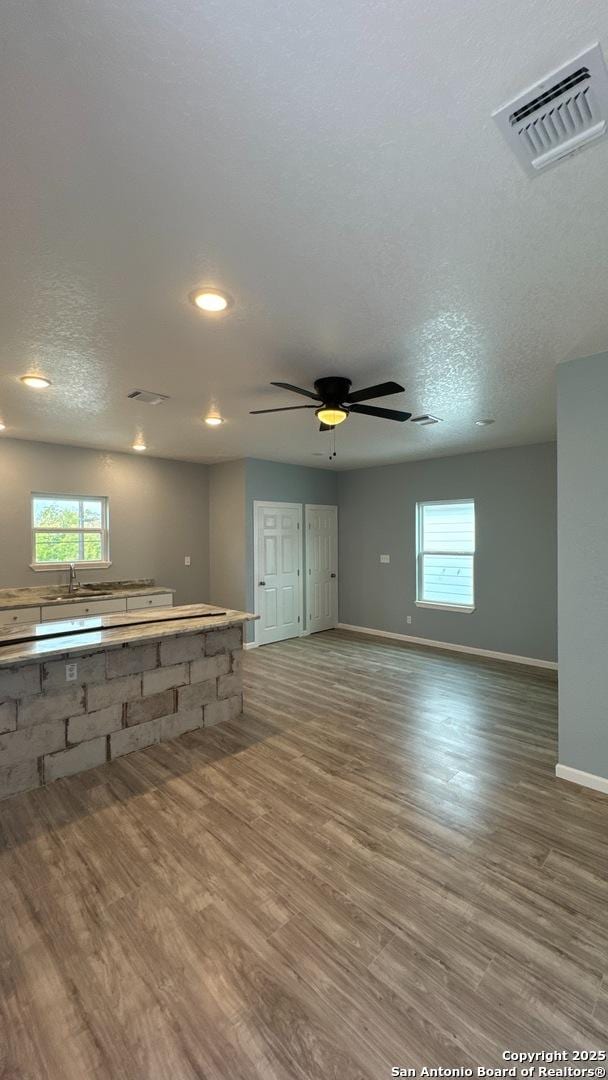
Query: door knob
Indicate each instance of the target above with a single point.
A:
(332, 575)
(261, 582)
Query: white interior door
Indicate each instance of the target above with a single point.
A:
(278, 565)
(322, 567)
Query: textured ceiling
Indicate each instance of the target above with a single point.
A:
(333, 165)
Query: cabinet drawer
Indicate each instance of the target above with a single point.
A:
(19, 615)
(79, 610)
(137, 603)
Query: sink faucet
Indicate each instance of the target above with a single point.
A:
(73, 584)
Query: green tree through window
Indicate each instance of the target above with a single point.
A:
(69, 529)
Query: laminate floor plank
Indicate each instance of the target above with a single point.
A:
(375, 865)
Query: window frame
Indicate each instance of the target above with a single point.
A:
(103, 530)
(420, 553)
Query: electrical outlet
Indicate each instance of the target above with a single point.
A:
(187, 560)
(71, 672)
(385, 558)
(409, 620)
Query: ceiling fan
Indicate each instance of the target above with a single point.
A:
(336, 402)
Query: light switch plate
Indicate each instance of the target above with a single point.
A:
(71, 672)
(186, 560)
(385, 558)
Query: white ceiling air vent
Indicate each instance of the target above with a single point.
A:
(425, 420)
(147, 397)
(560, 115)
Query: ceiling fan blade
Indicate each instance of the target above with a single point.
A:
(286, 408)
(297, 390)
(325, 427)
(381, 390)
(385, 414)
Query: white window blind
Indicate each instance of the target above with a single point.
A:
(69, 529)
(446, 554)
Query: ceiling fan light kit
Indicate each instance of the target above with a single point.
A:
(331, 417)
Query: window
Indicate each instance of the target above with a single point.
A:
(69, 529)
(446, 554)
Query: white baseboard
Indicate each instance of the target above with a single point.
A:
(585, 779)
(529, 661)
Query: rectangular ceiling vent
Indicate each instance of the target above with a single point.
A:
(425, 420)
(147, 397)
(561, 114)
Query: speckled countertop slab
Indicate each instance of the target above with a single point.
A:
(41, 595)
(74, 636)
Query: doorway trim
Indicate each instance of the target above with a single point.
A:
(323, 506)
(265, 504)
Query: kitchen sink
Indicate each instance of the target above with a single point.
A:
(99, 590)
(77, 594)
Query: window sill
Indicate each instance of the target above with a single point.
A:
(444, 607)
(39, 569)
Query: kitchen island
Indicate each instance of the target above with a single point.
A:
(77, 693)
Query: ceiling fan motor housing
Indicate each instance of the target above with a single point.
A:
(333, 390)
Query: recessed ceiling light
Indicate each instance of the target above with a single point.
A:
(484, 423)
(139, 446)
(211, 301)
(331, 416)
(214, 421)
(37, 382)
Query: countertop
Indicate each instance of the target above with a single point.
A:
(41, 595)
(70, 637)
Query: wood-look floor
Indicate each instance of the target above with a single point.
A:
(376, 866)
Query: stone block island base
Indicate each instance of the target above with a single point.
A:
(77, 693)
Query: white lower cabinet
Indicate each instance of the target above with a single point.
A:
(138, 603)
(14, 616)
(77, 610)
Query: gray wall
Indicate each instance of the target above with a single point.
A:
(582, 440)
(158, 513)
(516, 588)
(161, 510)
(227, 559)
(269, 481)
